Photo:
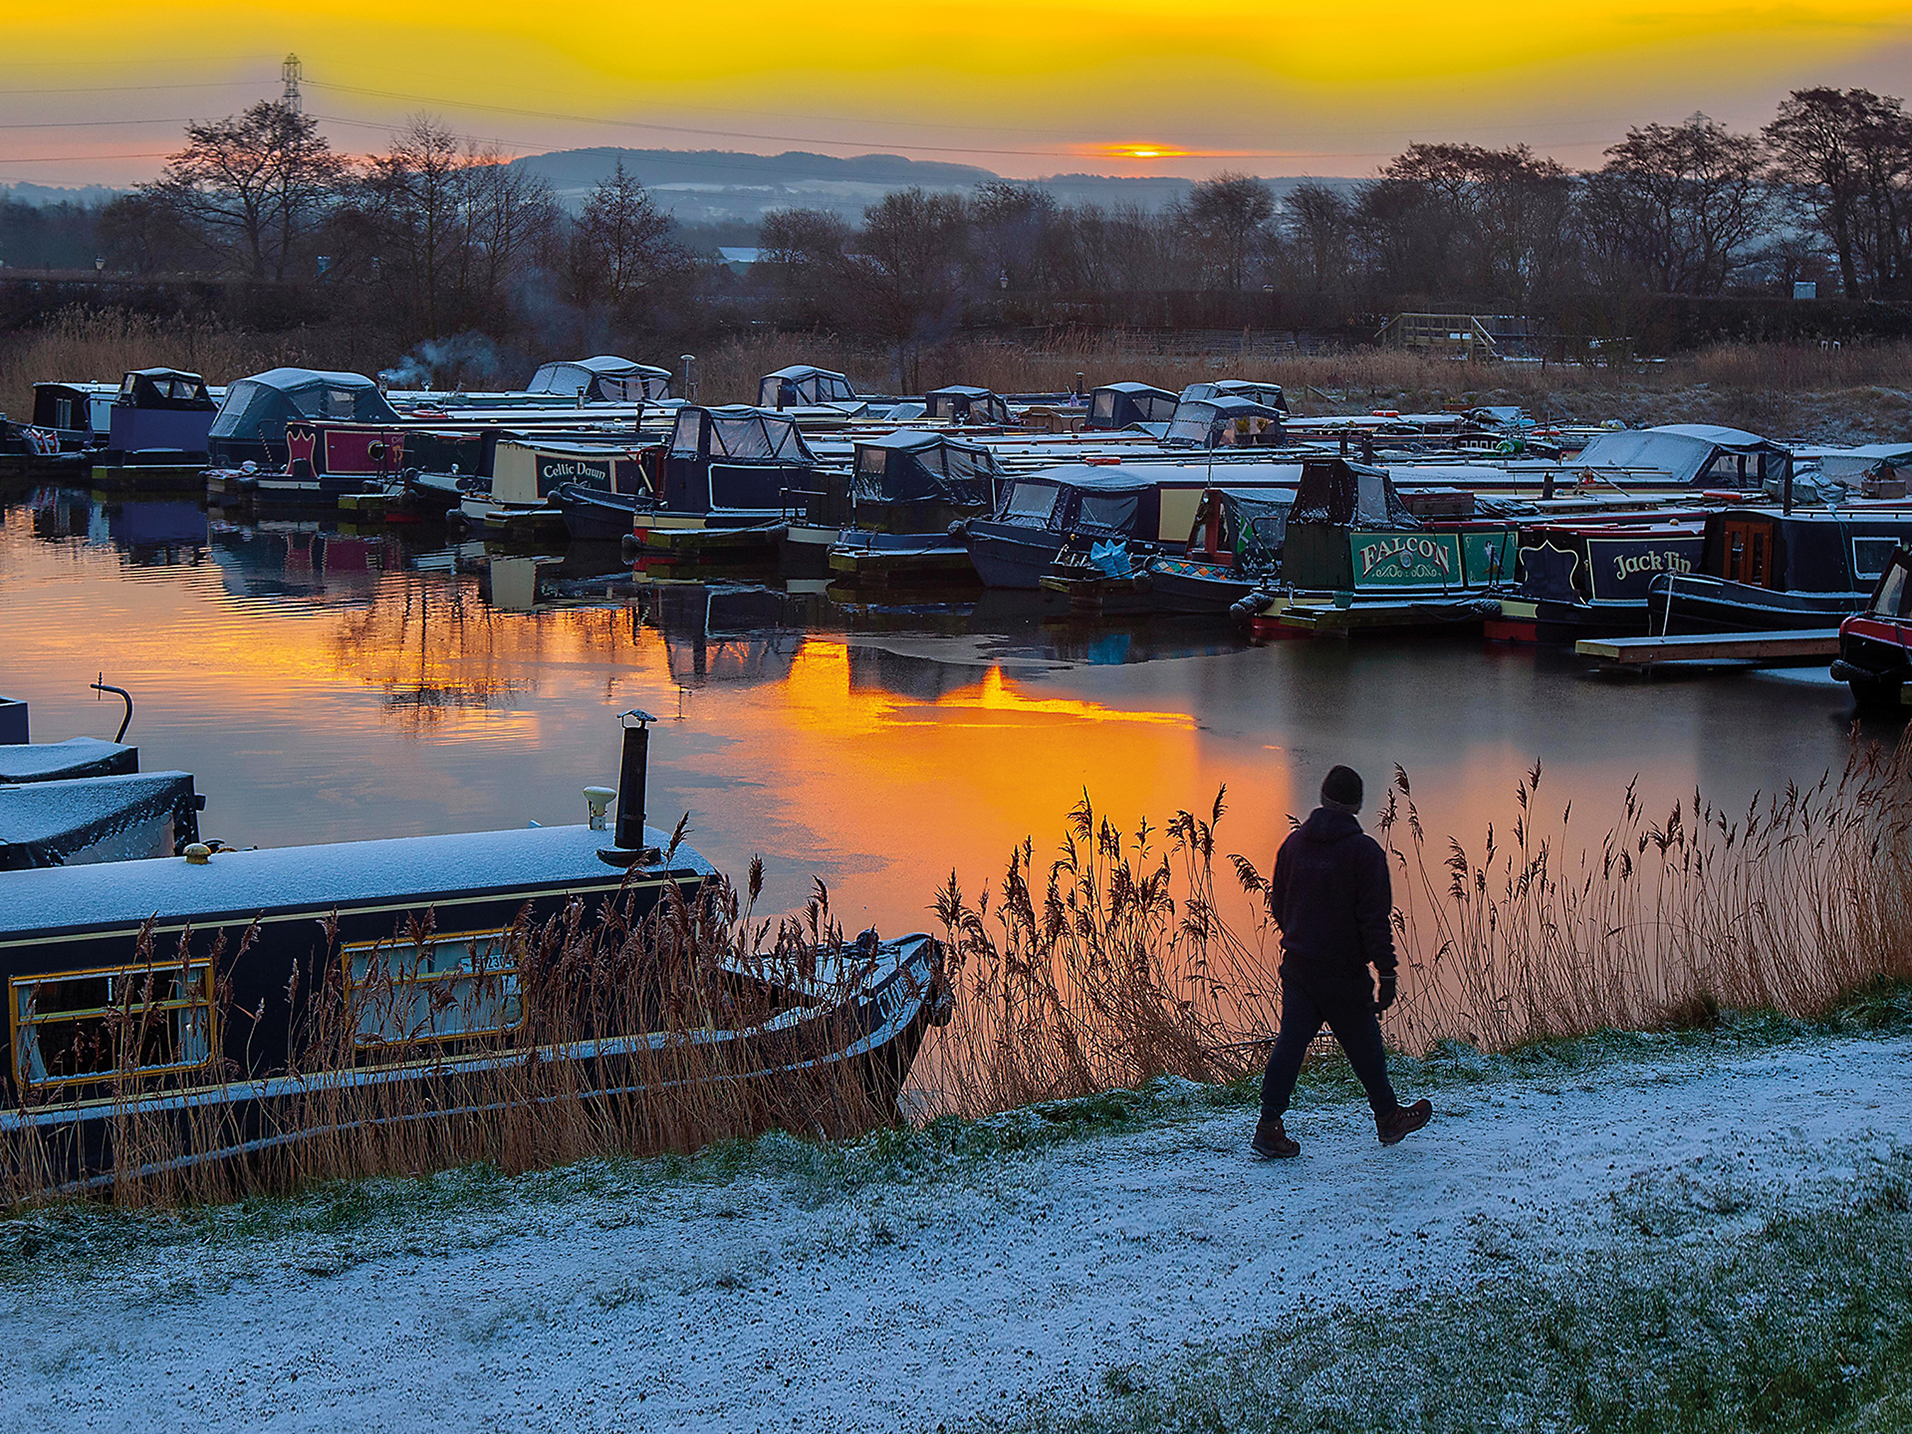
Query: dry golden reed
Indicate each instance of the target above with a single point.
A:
(1119, 963)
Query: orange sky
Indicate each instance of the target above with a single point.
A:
(1026, 89)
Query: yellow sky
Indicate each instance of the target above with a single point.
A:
(1028, 88)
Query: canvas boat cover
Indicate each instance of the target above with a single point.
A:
(1254, 390)
(1255, 522)
(1207, 422)
(1348, 495)
(604, 377)
(913, 465)
(1128, 401)
(169, 388)
(738, 432)
(53, 761)
(812, 385)
(266, 402)
(1683, 451)
(952, 398)
(52, 823)
(1106, 496)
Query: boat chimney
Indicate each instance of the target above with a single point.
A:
(630, 779)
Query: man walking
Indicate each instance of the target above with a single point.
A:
(1331, 897)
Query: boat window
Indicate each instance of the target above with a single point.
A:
(1870, 555)
(1105, 404)
(442, 988)
(1034, 501)
(137, 1021)
(1890, 601)
(684, 437)
(1113, 511)
(872, 461)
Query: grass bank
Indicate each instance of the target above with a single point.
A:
(1797, 1319)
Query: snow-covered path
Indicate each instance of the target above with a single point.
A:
(763, 1304)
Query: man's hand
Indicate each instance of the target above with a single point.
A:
(1386, 998)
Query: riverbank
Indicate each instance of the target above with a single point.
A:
(1118, 1259)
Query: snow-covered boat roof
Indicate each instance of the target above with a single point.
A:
(75, 757)
(44, 823)
(1683, 451)
(239, 885)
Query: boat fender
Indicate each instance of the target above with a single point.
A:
(198, 854)
(959, 531)
(629, 546)
(1144, 581)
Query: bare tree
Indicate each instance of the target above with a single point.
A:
(911, 252)
(251, 186)
(804, 253)
(1318, 220)
(622, 242)
(1228, 218)
(1843, 158)
(1682, 204)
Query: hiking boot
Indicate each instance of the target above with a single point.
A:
(1271, 1141)
(1396, 1125)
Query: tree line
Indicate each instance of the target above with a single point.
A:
(438, 236)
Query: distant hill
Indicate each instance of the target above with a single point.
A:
(723, 187)
(40, 195)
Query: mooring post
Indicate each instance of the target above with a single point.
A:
(630, 778)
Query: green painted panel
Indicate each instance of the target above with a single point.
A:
(1405, 560)
(1489, 555)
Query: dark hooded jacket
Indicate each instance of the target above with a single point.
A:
(1332, 899)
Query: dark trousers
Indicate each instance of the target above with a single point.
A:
(1350, 1015)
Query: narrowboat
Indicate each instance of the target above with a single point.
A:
(1875, 645)
(1234, 548)
(1355, 556)
(1764, 569)
(1120, 405)
(529, 476)
(250, 426)
(1589, 578)
(733, 477)
(79, 415)
(1149, 507)
(919, 483)
(172, 1012)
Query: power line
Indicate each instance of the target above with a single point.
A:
(129, 89)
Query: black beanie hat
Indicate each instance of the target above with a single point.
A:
(1342, 788)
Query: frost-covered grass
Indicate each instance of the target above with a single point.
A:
(1802, 1320)
(346, 1222)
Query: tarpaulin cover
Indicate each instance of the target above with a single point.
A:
(1255, 523)
(268, 401)
(50, 823)
(604, 377)
(1683, 451)
(1346, 495)
(914, 466)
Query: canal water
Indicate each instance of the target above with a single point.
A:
(325, 685)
